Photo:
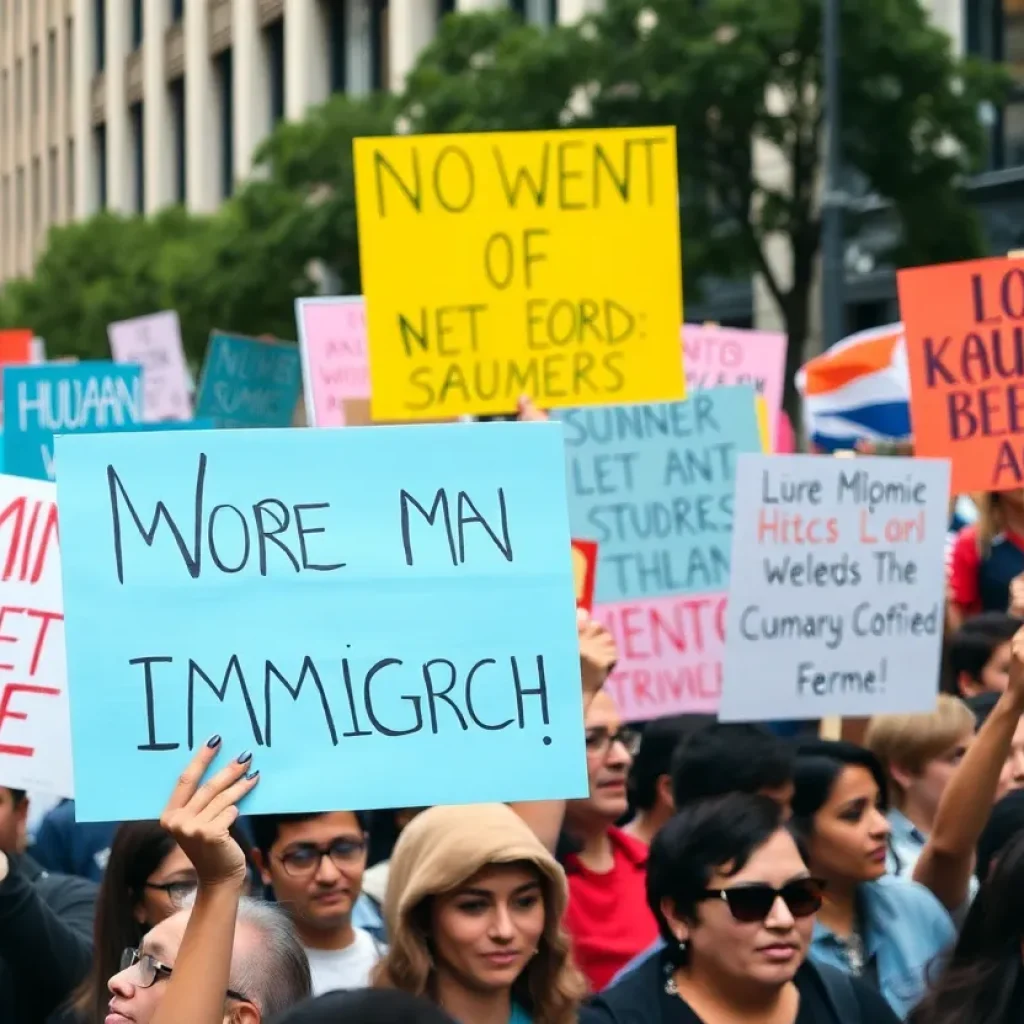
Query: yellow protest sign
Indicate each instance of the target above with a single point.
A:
(497, 265)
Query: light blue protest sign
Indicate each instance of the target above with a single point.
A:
(653, 485)
(247, 382)
(386, 617)
(63, 398)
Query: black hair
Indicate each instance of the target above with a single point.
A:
(729, 758)
(974, 643)
(700, 840)
(981, 705)
(818, 764)
(266, 827)
(983, 980)
(17, 795)
(365, 1006)
(654, 758)
(1003, 825)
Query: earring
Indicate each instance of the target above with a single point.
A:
(683, 943)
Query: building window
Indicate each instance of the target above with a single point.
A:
(33, 80)
(4, 86)
(519, 7)
(100, 27)
(445, 7)
(995, 30)
(19, 205)
(69, 57)
(37, 200)
(19, 94)
(70, 212)
(337, 41)
(379, 63)
(177, 91)
(51, 71)
(137, 26)
(224, 66)
(53, 174)
(177, 10)
(137, 119)
(275, 69)
(99, 146)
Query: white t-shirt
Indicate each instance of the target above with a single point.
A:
(347, 968)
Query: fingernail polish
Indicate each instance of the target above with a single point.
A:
(252, 775)
(245, 758)
(213, 741)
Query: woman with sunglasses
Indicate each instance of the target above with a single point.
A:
(735, 906)
(886, 930)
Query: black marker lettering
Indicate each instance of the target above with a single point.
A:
(148, 664)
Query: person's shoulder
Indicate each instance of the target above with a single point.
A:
(635, 850)
(632, 997)
(913, 905)
(873, 1007)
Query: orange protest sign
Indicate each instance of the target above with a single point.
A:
(15, 346)
(584, 570)
(965, 349)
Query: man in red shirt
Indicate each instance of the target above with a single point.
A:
(608, 916)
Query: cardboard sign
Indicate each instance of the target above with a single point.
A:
(520, 263)
(725, 356)
(653, 485)
(15, 346)
(248, 382)
(965, 350)
(335, 367)
(584, 570)
(35, 733)
(41, 401)
(670, 655)
(839, 607)
(154, 343)
(229, 582)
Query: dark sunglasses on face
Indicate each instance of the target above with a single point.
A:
(752, 903)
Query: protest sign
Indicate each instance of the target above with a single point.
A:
(964, 327)
(839, 607)
(15, 346)
(249, 382)
(35, 734)
(670, 655)
(653, 485)
(332, 342)
(41, 401)
(724, 356)
(154, 343)
(584, 571)
(502, 264)
(227, 582)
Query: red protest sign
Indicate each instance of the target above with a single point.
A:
(16, 346)
(584, 568)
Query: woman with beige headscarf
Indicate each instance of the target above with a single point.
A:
(474, 908)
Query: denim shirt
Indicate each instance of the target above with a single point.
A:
(905, 929)
(366, 915)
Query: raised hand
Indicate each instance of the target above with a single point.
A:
(598, 653)
(527, 412)
(200, 813)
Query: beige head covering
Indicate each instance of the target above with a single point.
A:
(442, 847)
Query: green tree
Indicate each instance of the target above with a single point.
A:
(730, 74)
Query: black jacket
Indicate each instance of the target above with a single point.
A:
(45, 940)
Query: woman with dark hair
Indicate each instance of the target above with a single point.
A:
(983, 983)
(148, 878)
(735, 906)
(368, 1006)
(884, 929)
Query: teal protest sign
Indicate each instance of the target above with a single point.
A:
(653, 485)
(64, 398)
(386, 617)
(247, 382)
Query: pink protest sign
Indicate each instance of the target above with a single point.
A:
(723, 356)
(154, 342)
(670, 654)
(335, 367)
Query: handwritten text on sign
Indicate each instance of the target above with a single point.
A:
(35, 735)
(965, 349)
(838, 609)
(233, 582)
(538, 263)
(154, 342)
(653, 484)
(42, 401)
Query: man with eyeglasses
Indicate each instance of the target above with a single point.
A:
(268, 968)
(314, 864)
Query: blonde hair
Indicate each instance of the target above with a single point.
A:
(990, 522)
(435, 854)
(911, 741)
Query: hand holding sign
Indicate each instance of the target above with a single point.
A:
(598, 654)
(199, 815)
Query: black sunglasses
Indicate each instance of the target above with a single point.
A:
(750, 903)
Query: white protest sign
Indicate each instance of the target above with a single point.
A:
(154, 343)
(839, 607)
(35, 729)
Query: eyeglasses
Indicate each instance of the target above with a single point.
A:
(600, 741)
(179, 893)
(150, 971)
(750, 903)
(304, 859)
